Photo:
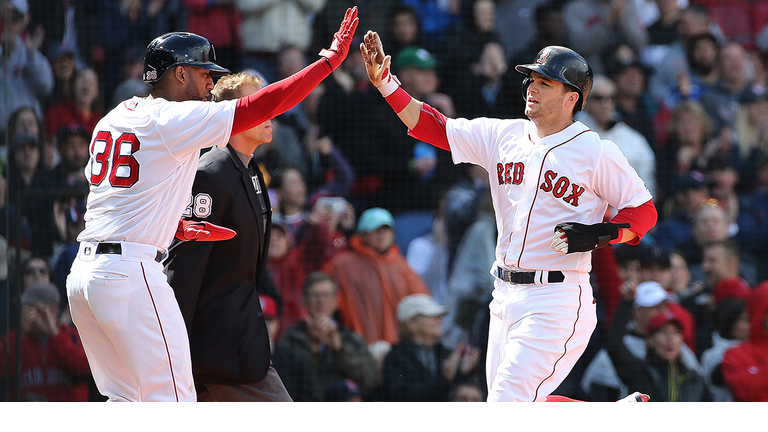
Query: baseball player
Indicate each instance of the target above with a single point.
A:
(552, 182)
(143, 157)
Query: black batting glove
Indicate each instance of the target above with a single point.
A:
(570, 237)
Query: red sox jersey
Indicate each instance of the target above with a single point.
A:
(125, 144)
(536, 183)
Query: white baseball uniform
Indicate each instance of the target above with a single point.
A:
(538, 331)
(144, 155)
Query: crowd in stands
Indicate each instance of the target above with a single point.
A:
(378, 283)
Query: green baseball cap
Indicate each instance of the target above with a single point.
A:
(415, 57)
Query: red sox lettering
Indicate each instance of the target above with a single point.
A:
(510, 173)
(560, 187)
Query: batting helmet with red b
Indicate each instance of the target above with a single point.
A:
(178, 49)
(563, 65)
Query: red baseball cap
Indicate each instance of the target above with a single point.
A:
(268, 307)
(734, 287)
(662, 318)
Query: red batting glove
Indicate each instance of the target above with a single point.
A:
(202, 231)
(342, 39)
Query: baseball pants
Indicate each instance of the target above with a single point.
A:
(536, 335)
(130, 325)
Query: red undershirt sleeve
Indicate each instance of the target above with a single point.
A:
(279, 97)
(640, 219)
(431, 128)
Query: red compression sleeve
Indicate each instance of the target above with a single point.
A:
(431, 128)
(641, 219)
(399, 99)
(279, 97)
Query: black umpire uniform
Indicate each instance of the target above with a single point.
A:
(215, 282)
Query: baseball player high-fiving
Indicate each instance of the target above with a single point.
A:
(552, 180)
(144, 154)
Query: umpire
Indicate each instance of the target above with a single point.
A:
(215, 281)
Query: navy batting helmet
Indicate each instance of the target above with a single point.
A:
(177, 49)
(564, 65)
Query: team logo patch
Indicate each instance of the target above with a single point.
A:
(151, 75)
(543, 57)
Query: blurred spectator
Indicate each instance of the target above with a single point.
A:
(25, 121)
(722, 261)
(427, 255)
(600, 115)
(30, 190)
(710, 225)
(735, 74)
(132, 84)
(405, 29)
(549, 29)
(84, 108)
(219, 22)
(744, 366)
(752, 130)
(53, 361)
(27, 73)
(723, 178)
(688, 146)
(418, 174)
(633, 102)
(681, 284)
(290, 60)
(594, 24)
(331, 351)
(420, 367)
(731, 323)
(463, 48)
(436, 16)
(70, 25)
(648, 10)
(13, 227)
(63, 66)
(662, 372)
(633, 351)
(462, 202)
(373, 277)
(73, 142)
(753, 219)
(68, 213)
(267, 27)
(693, 20)
(467, 391)
(492, 88)
(662, 32)
(290, 261)
(517, 27)
(121, 25)
(470, 282)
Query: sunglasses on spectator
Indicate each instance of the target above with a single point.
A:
(601, 97)
(31, 271)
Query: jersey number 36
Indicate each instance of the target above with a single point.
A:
(122, 167)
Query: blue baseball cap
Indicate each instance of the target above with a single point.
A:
(374, 218)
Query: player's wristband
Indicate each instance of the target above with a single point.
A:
(389, 87)
(398, 99)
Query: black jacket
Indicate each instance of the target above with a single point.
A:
(216, 282)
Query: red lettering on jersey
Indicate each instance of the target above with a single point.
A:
(573, 198)
(125, 159)
(548, 177)
(500, 173)
(101, 158)
(517, 176)
(507, 173)
(560, 187)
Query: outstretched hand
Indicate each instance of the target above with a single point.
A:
(342, 39)
(376, 63)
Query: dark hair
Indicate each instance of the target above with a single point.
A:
(725, 315)
(315, 278)
(731, 248)
(11, 124)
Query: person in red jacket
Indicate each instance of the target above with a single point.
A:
(745, 366)
(53, 364)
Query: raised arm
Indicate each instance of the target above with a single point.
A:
(283, 95)
(424, 122)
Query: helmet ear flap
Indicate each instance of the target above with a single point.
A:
(526, 83)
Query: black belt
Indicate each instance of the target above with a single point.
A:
(516, 277)
(117, 249)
